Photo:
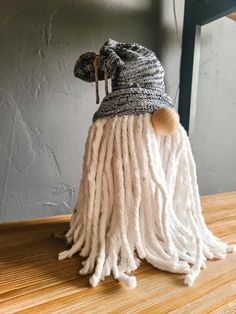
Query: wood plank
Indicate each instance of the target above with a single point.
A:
(232, 16)
(32, 280)
(212, 10)
(189, 60)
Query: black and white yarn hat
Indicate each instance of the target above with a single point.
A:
(137, 79)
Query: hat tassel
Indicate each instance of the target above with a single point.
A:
(96, 67)
(106, 83)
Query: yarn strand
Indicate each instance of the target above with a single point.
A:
(139, 199)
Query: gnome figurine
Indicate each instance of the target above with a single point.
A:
(138, 196)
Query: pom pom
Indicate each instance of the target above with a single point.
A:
(165, 121)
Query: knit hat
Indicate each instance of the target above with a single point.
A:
(137, 78)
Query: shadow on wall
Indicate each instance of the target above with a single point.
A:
(45, 112)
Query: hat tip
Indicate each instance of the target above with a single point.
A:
(111, 42)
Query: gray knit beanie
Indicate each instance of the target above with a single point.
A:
(137, 79)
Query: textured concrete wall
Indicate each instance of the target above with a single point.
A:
(213, 139)
(44, 111)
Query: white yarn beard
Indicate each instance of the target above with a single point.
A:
(139, 198)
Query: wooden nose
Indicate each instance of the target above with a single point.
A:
(165, 121)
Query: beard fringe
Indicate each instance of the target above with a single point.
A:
(139, 199)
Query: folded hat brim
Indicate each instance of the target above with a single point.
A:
(129, 101)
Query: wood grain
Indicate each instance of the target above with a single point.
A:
(232, 16)
(32, 280)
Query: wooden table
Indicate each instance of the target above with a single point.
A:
(32, 280)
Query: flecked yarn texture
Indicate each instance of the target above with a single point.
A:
(137, 79)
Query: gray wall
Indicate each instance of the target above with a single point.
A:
(213, 137)
(45, 112)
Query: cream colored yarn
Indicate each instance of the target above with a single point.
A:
(139, 199)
